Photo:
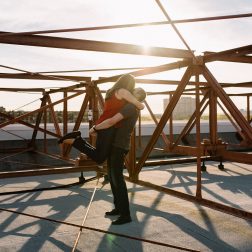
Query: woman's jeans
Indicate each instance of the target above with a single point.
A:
(103, 145)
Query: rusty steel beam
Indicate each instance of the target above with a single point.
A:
(15, 150)
(243, 94)
(171, 135)
(148, 70)
(96, 99)
(204, 202)
(38, 121)
(230, 106)
(240, 51)
(73, 89)
(166, 82)
(65, 114)
(131, 157)
(248, 107)
(49, 171)
(213, 117)
(16, 119)
(30, 125)
(53, 114)
(92, 45)
(231, 120)
(65, 119)
(81, 112)
(239, 157)
(190, 83)
(165, 139)
(179, 160)
(28, 76)
(40, 90)
(191, 122)
(237, 59)
(189, 127)
(105, 27)
(34, 73)
(100, 97)
(185, 150)
(66, 147)
(45, 127)
(163, 120)
(198, 141)
(90, 70)
(175, 29)
(88, 79)
(240, 84)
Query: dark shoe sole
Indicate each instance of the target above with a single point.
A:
(71, 135)
(112, 213)
(122, 220)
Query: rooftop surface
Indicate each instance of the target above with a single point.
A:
(157, 217)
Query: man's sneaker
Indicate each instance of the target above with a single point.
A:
(112, 213)
(122, 220)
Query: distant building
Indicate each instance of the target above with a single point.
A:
(184, 108)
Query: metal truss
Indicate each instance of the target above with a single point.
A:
(213, 94)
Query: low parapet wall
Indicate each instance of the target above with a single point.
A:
(17, 131)
(53, 147)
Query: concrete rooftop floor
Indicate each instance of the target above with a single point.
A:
(156, 216)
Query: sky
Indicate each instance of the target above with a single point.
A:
(30, 15)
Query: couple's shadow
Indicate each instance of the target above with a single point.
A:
(143, 223)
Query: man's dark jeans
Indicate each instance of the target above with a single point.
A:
(118, 186)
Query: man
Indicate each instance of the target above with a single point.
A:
(120, 147)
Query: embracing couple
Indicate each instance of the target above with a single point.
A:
(113, 129)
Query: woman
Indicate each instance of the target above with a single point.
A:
(115, 99)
